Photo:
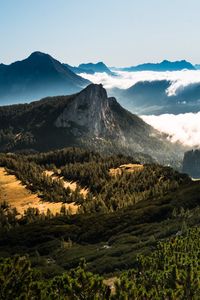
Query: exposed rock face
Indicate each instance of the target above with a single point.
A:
(91, 110)
(92, 115)
(191, 163)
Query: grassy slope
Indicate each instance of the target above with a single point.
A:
(18, 196)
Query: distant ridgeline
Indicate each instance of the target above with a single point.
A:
(191, 163)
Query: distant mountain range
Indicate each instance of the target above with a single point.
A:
(40, 75)
(37, 76)
(150, 97)
(88, 119)
(90, 68)
(165, 65)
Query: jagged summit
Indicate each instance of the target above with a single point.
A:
(95, 89)
(90, 109)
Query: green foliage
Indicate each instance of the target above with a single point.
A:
(19, 281)
(8, 216)
(171, 272)
(16, 279)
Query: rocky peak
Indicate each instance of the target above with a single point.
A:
(94, 91)
(91, 111)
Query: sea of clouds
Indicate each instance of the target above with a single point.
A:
(124, 80)
(184, 128)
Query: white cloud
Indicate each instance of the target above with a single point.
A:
(124, 80)
(184, 128)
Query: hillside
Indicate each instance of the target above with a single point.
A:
(120, 217)
(37, 76)
(88, 119)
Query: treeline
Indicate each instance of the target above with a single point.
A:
(72, 155)
(11, 218)
(110, 193)
(171, 272)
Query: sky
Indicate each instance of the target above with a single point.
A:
(118, 32)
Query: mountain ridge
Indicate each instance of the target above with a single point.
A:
(165, 65)
(90, 68)
(37, 76)
(88, 119)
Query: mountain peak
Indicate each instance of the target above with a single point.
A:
(38, 53)
(89, 109)
(93, 90)
(38, 56)
(37, 76)
(98, 67)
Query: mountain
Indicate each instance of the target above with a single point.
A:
(99, 67)
(37, 76)
(163, 66)
(151, 97)
(197, 67)
(191, 163)
(90, 68)
(78, 70)
(89, 119)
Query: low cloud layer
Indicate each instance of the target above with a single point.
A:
(184, 128)
(179, 79)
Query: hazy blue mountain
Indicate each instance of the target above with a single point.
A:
(37, 76)
(78, 70)
(99, 67)
(165, 65)
(150, 97)
(197, 67)
(89, 119)
(90, 68)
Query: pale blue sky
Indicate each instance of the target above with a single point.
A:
(119, 32)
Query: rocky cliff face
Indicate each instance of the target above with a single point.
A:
(91, 110)
(191, 163)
